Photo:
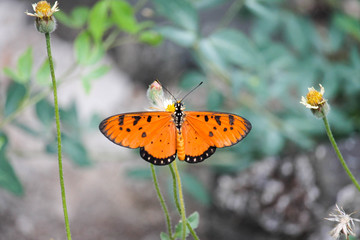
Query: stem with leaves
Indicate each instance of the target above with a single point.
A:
(338, 153)
(176, 199)
(162, 201)
(57, 119)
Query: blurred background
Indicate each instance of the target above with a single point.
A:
(256, 58)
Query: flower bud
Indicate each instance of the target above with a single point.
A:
(44, 19)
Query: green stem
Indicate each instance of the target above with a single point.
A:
(57, 119)
(338, 153)
(176, 199)
(181, 197)
(162, 202)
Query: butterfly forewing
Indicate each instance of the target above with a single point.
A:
(218, 129)
(134, 130)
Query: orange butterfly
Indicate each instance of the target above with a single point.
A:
(160, 135)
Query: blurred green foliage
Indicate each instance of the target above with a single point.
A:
(257, 60)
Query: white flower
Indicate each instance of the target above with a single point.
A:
(345, 224)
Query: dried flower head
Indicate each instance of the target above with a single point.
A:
(156, 96)
(345, 222)
(45, 22)
(316, 102)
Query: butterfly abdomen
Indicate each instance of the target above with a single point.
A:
(180, 146)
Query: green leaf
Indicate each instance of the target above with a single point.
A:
(180, 12)
(181, 37)
(45, 112)
(94, 74)
(191, 79)
(150, 37)
(196, 189)
(235, 47)
(295, 33)
(86, 52)
(193, 220)
(98, 19)
(24, 66)
(75, 150)
(11, 74)
(43, 76)
(15, 94)
(209, 55)
(69, 118)
(122, 13)
(261, 11)
(215, 100)
(8, 178)
(347, 24)
(164, 236)
(76, 19)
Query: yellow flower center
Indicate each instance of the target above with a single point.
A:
(43, 7)
(314, 98)
(170, 108)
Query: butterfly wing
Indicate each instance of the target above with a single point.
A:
(205, 131)
(149, 131)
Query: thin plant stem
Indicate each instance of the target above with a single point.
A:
(176, 199)
(338, 153)
(181, 198)
(58, 132)
(162, 201)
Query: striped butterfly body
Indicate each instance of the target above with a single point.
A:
(161, 135)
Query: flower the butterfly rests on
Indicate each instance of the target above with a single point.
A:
(161, 135)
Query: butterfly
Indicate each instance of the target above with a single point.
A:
(161, 135)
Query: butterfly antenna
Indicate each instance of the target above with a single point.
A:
(191, 91)
(165, 89)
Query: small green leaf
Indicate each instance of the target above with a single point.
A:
(76, 19)
(94, 74)
(24, 66)
(210, 55)
(11, 74)
(180, 12)
(196, 189)
(98, 18)
(75, 150)
(193, 220)
(150, 37)
(8, 178)
(86, 52)
(181, 37)
(45, 112)
(122, 13)
(164, 236)
(69, 117)
(43, 76)
(15, 94)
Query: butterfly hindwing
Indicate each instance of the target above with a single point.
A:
(218, 129)
(196, 148)
(147, 130)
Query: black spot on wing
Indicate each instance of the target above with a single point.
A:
(211, 134)
(206, 118)
(231, 119)
(202, 157)
(217, 119)
(154, 160)
(143, 134)
(148, 119)
(121, 120)
(136, 119)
